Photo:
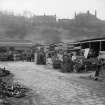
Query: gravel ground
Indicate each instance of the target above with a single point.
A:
(51, 87)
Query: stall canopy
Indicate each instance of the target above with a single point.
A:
(97, 44)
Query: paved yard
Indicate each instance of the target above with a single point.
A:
(54, 88)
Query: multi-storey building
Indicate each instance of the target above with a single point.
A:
(44, 19)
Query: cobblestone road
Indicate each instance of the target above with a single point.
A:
(50, 88)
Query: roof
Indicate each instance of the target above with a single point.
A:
(17, 41)
(26, 43)
(91, 40)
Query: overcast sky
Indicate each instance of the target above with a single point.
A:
(62, 8)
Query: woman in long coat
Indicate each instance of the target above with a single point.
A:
(41, 58)
(67, 64)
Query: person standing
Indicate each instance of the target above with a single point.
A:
(49, 59)
(99, 68)
(14, 57)
(67, 64)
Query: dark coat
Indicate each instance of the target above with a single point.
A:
(67, 64)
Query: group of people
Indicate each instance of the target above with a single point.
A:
(61, 60)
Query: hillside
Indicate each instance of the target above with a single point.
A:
(83, 26)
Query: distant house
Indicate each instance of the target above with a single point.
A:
(64, 21)
(84, 17)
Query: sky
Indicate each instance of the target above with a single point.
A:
(60, 8)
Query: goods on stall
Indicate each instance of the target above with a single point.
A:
(91, 64)
(79, 65)
(4, 72)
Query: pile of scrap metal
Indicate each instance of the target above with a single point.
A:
(4, 72)
(15, 90)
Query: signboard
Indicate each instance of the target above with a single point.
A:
(86, 52)
(101, 55)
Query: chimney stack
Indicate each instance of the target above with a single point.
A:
(75, 14)
(88, 12)
(95, 13)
